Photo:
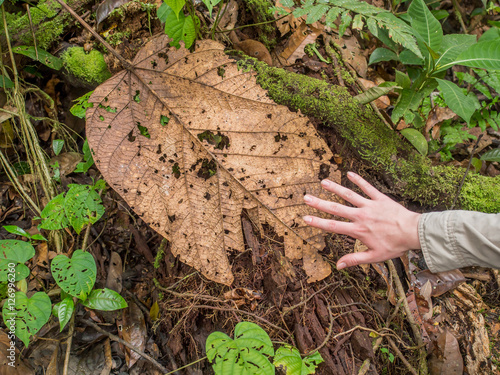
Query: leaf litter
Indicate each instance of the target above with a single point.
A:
(227, 148)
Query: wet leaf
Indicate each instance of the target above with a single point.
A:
(65, 311)
(57, 145)
(492, 155)
(193, 191)
(105, 300)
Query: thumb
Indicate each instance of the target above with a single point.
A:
(355, 259)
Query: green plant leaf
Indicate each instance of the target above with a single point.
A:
(403, 80)
(83, 167)
(484, 55)
(57, 145)
(65, 311)
(175, 5)
(491, 155)
(162, 12)
(243, 355)
(491, 34)
(451, 47)
(27, 315)
(289, 359)
(408, 100)
(407, 57)
(5, 82)
(332, 16)
(43, 56)
(345, 22)
(399, 31)
(14, 229)
(53, 216)
(417, 139)
(82, 206)
(16, 251)
(316, 13)
(373, 93)
(76, 276)
(105, 300)
(81, 104)
(492, 78)
(210, 4)
(382, 54)
(461, 104)
(425, 24)
(179, 27)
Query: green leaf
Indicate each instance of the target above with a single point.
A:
(5, 81)
(57, 145)
(382, 54)
(407, 57)
(243, 355)
(53, 216)
(332, 16)
(492, 78)
(357, 22)
(43, 56)
(381, 34)
(408, 100)
(491, 34)
(210, 4)
(26, 315)
(451, 47)
(373, 93)
(162, 12)
(87, 156)
(81, 105)
(82, 206)
(65, 311)
(76, 276)
(289, 359)
(425, 24)
(462, 105)
(15, 253)
(180, 28)
(440, 14)
(399, 31)
(484, 55)
(175, 5)
(345, 22)
(492, 155)
(316, 13)
(105, 300)
(403, 80)
(417, 139)
(14, 229)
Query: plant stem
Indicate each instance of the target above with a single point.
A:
(185, 366)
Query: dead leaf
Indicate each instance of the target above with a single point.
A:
(445, 357)
(359, 247)
(189, 148)
(67, 162)
(106, 7)
(384, 272)
(441, 282)
(424, 300)
(114, 279)
(242, 296)
(352, 53)
(436, 116)
(133, 331)
(11, 356)
(6, 134)
(287, 23)
(304, 35)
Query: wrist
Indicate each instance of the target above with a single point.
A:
(411, 230)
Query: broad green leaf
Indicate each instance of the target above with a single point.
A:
(407, 57)
(484, 55)
(408, 100)
(180, 27)
(57, 145)
(21, 271)
(491, 34)
(211, 3)
(491, 78)
(357, 22)
(477, 164)
(399, 31)
(440, 14)
(417, 139)
(83, 167)
(43, 56)
(451, 47)
(53, 216)
(175, 5)
(381, 34)
(26, 315)
(373, 93)
(162, 12)
(289, 359)
(16, 251)
(14, 229)
(345, 22)
(244, 354)
(316, 13)
(105, 300)
(81, 104)
(64, 312)
(5, 81)
(425, 24)
(332, 16)
(382, 54)
(403, 80)
(76, 276)
(466, 77)
(491, 155)
(82, 206)
(461, 104)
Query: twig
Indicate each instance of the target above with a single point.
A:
(466, 171)
(188, 365)
(458, 14)
(109, 360)
(401, 356)
(68, 344)
(188, 295)
(125, 343)
(288, 309)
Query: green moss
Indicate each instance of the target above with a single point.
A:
(89, 67)
(118, 37)
(413, 175)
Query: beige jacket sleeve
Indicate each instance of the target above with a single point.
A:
(456, 239)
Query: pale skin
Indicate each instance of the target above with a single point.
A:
(387, 228)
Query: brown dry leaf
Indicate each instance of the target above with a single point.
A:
(67, 162)
(19, 368)
(304, 35)
(436, 116)
(287, 23)
(424, 300)
(359, 247)
(440, 282)
(212, 145)
(445, 358)
(352, 53)
(114, 279)
(133, 331)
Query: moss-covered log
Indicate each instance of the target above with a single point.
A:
(413, 175)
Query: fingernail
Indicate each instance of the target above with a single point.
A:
(307, 198)
(307, 219)
(350, 174)
(341, 266)
(325, 183)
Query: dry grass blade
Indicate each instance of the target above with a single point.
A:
(194, 141)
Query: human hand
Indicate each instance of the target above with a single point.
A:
(383, 225)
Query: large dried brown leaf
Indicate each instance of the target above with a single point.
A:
(192, 189)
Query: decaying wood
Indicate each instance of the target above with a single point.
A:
(189, 141)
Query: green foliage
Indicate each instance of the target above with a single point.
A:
(57, 146)
(14, 252)
(5, 82)
(76, 276)
(88, 162)
(178, 26)
(39, 55)
(388, 354)
(416, 139)
(64, 311)
(81, 104)
(250, 352)
(14, 229)
(79, 207)
(492, 155)
(105, 300)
